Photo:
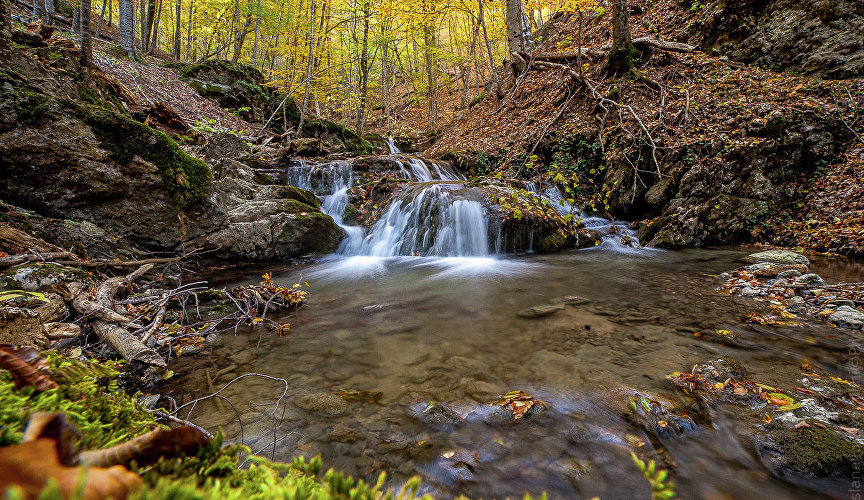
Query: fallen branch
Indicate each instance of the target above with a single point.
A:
(117, 263)
(126, 344)
(14, 260)
(601, 51)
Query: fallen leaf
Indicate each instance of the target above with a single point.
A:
(802, 425)
(24, 365)
(850, 430)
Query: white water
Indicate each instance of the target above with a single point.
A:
(394, 150)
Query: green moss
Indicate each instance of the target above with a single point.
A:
(89, 397)
(813, 451)
(301, 195)
(30, 106)
(301, 209)
(188, 179)
(554, 242)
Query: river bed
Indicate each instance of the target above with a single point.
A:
(422, 329)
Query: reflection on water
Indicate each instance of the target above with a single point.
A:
(420, 329)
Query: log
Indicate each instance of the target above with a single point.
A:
(117, 263)
(601, 51)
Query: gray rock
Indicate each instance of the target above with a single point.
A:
(848, 317)
(322, 402)
(840, 302)
(440, 415)
(224, 145)
(791, 273)
(797, 304)
(150, 402)
(750, 292)
(778, 257)
(540, 310)
(811, 279)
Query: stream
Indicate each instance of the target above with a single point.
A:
(422, 308)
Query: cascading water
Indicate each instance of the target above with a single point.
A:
(426, 221)
(617, 236)
(430, 222)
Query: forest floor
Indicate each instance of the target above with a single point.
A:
(698, 99)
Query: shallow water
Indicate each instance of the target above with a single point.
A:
(421, 329)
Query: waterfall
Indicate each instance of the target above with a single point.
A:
(394, 150)
(429, 222)
(617, 236)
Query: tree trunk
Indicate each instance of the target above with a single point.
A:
(101, 18)
(155, 38)
(175, 52)
(363, 75)
(257, 35)
(308, 66)
(622, 54)
(385, 78)
(498, 90)
(515, 39)
(189, 32)
(127, 27)
(5, 32)
(429, 41)
(84, 40)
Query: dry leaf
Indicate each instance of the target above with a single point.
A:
(24, 365)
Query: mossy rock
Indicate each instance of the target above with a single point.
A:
(40, 276)
(817, 452)
(188, 179)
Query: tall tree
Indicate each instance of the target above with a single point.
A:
(5, 32)
(84, 36)
(175, 50)
(480, 20)
(308, 66)
(515, 32)
(622, 54)
(127, 27)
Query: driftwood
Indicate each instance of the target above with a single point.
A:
(108, 325)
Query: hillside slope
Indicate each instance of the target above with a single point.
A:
(742, 153)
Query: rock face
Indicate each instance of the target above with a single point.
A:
(717, 200)
(85, 160)
(814, 38)
(237, 87)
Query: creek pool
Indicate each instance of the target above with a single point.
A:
(419, 330)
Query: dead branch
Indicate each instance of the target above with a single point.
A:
(14, 260)
(126, 344)
(117, 263)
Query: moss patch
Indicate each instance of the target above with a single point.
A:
(188, 179)
(818, 452)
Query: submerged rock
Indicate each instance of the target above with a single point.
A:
(818, 452)
(322, 402)
(540, 310)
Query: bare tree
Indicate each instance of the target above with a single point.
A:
(622, 54)
(5, 32)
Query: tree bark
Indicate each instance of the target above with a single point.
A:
(257, 35)
(5, 32)
(101, 19)
(363, 72)
(498, 90)
(515, 32)
(85, 41)
(622, 54)
(429, 41)
(308, 67)
(127, 27)
(175, 52)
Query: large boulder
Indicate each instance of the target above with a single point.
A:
(814, 38)
(236, 87)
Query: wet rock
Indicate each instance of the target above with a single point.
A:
(36, 276)
(149, 402)
(836, 303)
(322, 402)
(797, 304)
(811, 279)
(750, 292)
(342, 433)
(658, 418)
(791, 273)
(778, 257)
(572, 300)
(817, 452)
(848, 317)
(770, 270)
(440, 416)
(540, 310)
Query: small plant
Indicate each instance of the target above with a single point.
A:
(661, 488)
